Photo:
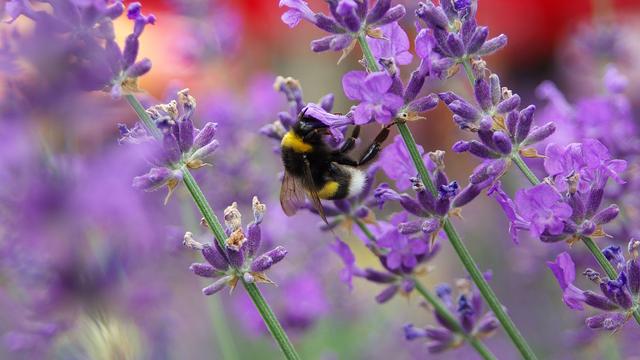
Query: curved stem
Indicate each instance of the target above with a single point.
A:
(588, 242)
(439, 307)
(210, 217)
(461, 250)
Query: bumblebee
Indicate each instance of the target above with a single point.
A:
(314, 170)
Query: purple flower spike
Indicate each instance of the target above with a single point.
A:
(565, 272)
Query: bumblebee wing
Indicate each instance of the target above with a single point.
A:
(291, 194)
(309, 185)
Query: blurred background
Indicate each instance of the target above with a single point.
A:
(91, 268)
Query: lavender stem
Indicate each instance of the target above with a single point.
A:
(261, 304)
(460, 248)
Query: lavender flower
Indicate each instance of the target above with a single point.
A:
(469, 312)
(349, 19)
(567, 205)
(424, 204)
(455, 31)
(239, 259)
(125, 69)
(618, 297)
(182, 144)
(394, 45)
(373, 92)
(502, 130)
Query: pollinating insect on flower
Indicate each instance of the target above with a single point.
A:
(181, 146)
(468, 309)
(618, 298)
(238, 260)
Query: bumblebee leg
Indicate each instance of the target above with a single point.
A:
(375, 147)
(351, 141)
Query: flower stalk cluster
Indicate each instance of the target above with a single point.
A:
(238, 259)
(618, 297)
(182, 146)
(471, 322)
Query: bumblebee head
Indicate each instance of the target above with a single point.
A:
(307, 125)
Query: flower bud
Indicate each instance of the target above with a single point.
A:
(378, 10)
(540, 133)
(261, 263)
(508, 105)
(477, 39)
(432, 15)
(482, 92)
(598, 301)
(492, 45)
(606, 215)
(387, 294)
(217, 285)
(502, 142)
(524, 123)
(204, 270)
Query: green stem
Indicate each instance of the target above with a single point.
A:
(205, 208)
(144, 117)
(439, 307)
(461, 250)
(533, 179)
(467, 69)
(269, 318)
(588, 242)
(482, 350)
